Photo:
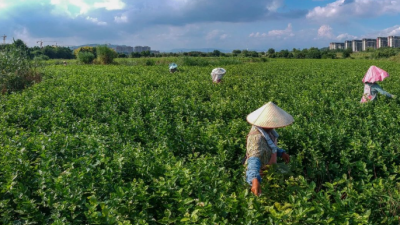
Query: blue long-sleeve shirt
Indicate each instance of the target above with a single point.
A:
(375, 88)
(254, 167)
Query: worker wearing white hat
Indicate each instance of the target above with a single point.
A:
(261, 146)
(217, 74)
(173, 67)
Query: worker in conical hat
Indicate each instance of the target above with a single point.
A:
(173, 67)
(217, 74)
(371, 88)
(262, 140)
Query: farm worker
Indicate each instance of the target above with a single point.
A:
(262, 149)
(217, 74)
(371, 88)
(173, 67)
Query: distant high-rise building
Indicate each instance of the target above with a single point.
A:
(348, 44)
(146, 48)
(368, 43)
(142, 48)
(336, 45)
(124, 49)
(356, 45)
(381, 42)
(394, 41)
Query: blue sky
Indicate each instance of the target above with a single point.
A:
(223, 24)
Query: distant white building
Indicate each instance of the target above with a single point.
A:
(356, 45)
(394, 41)
(368, 43)
(336, 45)
(124, 49)
(381, 42)
(141, 49)
(348, 44)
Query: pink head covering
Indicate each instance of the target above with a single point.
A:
(374, 74)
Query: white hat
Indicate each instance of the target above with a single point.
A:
(270, 116)
(218, 71)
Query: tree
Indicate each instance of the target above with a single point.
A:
(271, 51)
(216, 53)
(145, 53)
(346, 53)
(236, 52)
(245, 53)
(135, 55)
(105, 55)
(63, 53)
(313, 53)
(86, 49)
(49, 51)
(20, 44)
(284, 53)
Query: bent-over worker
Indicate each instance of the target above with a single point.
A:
(173, 67)
(371, 88)
(217, 74)
(262, 149)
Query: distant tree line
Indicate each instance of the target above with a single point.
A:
(47, 52)
(57, 52)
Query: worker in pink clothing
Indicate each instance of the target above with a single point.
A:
(371, 88)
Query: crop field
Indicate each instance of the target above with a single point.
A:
(134, 144)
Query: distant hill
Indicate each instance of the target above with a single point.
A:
(177, 50)
(93, 45)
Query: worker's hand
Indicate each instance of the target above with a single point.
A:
(255, 187)
(286, 157)
(272, 160)
(394, 96)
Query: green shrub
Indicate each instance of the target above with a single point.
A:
(105, 55)
(150, 62)
(16, 70)
(86, 57)
(85, 49)
(41, 57)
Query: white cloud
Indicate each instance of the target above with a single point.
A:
(110, 4)
(121, 19)
(285, 32)
(325, 31)
(3, 4)
(345, 36)
(177, 34)
(288, 32)
(63, 7)
(96, 21)
(344, 9)
(216, 34)
(391, 31)
(24, 35)
(275, 5)
(81, 7)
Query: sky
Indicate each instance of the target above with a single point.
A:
(192, 24)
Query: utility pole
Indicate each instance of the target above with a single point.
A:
(4, 39)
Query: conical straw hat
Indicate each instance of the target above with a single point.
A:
(218, 71)
(270, 116)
